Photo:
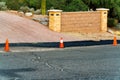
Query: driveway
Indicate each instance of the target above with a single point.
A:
(21, 30)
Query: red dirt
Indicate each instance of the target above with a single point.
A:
(19, 30)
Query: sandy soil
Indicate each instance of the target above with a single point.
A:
(93, 36)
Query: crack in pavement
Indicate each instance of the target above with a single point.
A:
(45, 62)
(56, 67)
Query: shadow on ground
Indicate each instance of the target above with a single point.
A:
(67, 44)
(13, 72)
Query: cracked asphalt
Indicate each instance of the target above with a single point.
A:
(73, 63)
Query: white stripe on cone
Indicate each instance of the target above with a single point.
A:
(61, 41)
(61, 45)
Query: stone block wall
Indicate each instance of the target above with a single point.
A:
(80, 21)
(84, 21)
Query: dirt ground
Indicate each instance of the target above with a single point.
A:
(93, 36)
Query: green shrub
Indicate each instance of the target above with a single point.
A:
(117, 26)
(38, 11)
(24, 9)
(31, 10)
(112, 22)
(3, 6)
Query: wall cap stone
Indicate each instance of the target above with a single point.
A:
(102, 9)
(54, 10)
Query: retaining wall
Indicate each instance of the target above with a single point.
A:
(80, 21)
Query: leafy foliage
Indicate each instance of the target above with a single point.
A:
(78, 6)
(3, 6)
(112, 22)
(24, 9)
(113, 5)
(67, 5)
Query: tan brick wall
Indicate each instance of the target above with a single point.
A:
(81, 21)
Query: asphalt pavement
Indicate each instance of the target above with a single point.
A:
(72, 63)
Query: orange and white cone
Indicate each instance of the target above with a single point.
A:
(115, 41)
(61, 43)
(6, 48)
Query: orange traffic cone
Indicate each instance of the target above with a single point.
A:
(61, 43)
(6, 48)
(115, 41)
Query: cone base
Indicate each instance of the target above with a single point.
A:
(6, 48)
(115, 41)
(61, 45)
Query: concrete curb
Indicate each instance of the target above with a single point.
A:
(67, 44)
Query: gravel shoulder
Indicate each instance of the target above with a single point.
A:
(93, 36)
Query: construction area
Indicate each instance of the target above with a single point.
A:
(21, 30)
(29, 50)
(18, 29)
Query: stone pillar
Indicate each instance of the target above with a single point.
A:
(55, 20)
(104, 14)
